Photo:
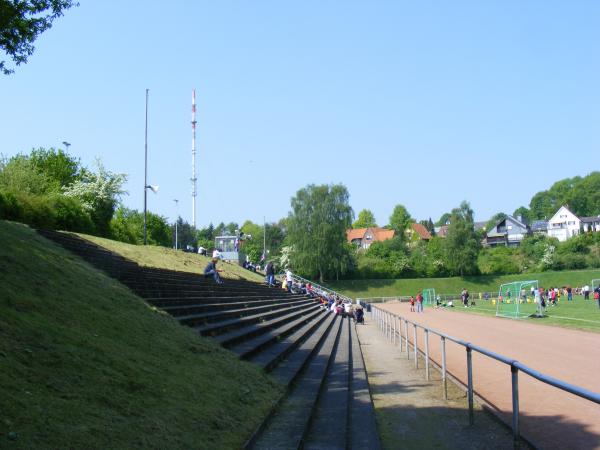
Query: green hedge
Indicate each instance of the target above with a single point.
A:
(51, 211)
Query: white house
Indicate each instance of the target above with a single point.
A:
(590, 224)
(564, 224)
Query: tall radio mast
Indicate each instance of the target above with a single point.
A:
(193, 179)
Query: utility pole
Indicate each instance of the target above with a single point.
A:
(176, 220)
(146, 168)
(193, 179)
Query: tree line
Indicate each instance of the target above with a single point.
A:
(48, 188)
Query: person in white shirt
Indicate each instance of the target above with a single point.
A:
(289, 279)
(216, 253)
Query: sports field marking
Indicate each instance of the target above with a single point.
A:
(549, 316)
(573, 318)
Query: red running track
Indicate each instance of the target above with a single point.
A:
(550, 418)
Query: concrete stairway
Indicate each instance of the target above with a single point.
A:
(314, 353)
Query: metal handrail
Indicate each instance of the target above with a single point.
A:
(322, 288)
(391, 325)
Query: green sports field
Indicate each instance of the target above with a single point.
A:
(579, 313)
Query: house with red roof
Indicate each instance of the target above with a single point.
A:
(364, 237)
(417, 232)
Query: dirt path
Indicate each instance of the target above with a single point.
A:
(411, 412)
(550, 418)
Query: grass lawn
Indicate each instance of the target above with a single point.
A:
(577, 314)
(84, 363)
(454, 285)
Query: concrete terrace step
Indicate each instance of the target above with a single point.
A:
(161, 293)
(287, 428)
(362, 413)
(253, 346)
(215, 316)
(289, 368)
(232, 332)
(330, 419)
(272, 356)
(194, 306)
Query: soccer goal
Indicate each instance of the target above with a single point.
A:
(517, 300)
(429, 296)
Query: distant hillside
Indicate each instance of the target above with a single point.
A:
(86, 364)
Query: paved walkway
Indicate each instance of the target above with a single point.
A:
(411, 412)
(550, 418)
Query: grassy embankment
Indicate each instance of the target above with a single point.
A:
(86, 364)
(577, 314)
(167, 258)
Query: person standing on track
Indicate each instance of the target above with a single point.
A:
(419, 302)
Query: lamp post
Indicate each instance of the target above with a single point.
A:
(176, 220)
(67, 145)
(146, 167)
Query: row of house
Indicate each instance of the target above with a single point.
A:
(364, 237)
(509, 231)
(563, 225)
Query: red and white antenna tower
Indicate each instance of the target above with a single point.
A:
(193, 179)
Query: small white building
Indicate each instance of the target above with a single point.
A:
(564, 224)
(590, 224)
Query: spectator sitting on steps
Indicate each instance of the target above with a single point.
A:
(212, 271)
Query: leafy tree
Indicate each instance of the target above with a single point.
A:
(429, 226)
(206, 237)
(22, 21)
(42, 171)
(128, 226)
(585, 197)
(582, 195)
(60, 167)
(186, 234)
(317, 230)
(18, 174)
(400, 220)
(461, 242)
(365, 219)
(99, 192)
(524, 213)
(443, 220)
(500, 260)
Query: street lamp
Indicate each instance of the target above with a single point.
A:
(67, 145)
(155, 190)
(176, 220)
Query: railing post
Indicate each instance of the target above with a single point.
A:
(393, 330)
(470, 383)
(406, 338)
(387, 326)
(445, 385)
(400, 332)
(515, 404)
(426, 353)
(415, 346)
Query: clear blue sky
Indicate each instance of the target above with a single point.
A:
(420, 103)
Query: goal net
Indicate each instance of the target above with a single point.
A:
(519, 300)
(429, 296)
